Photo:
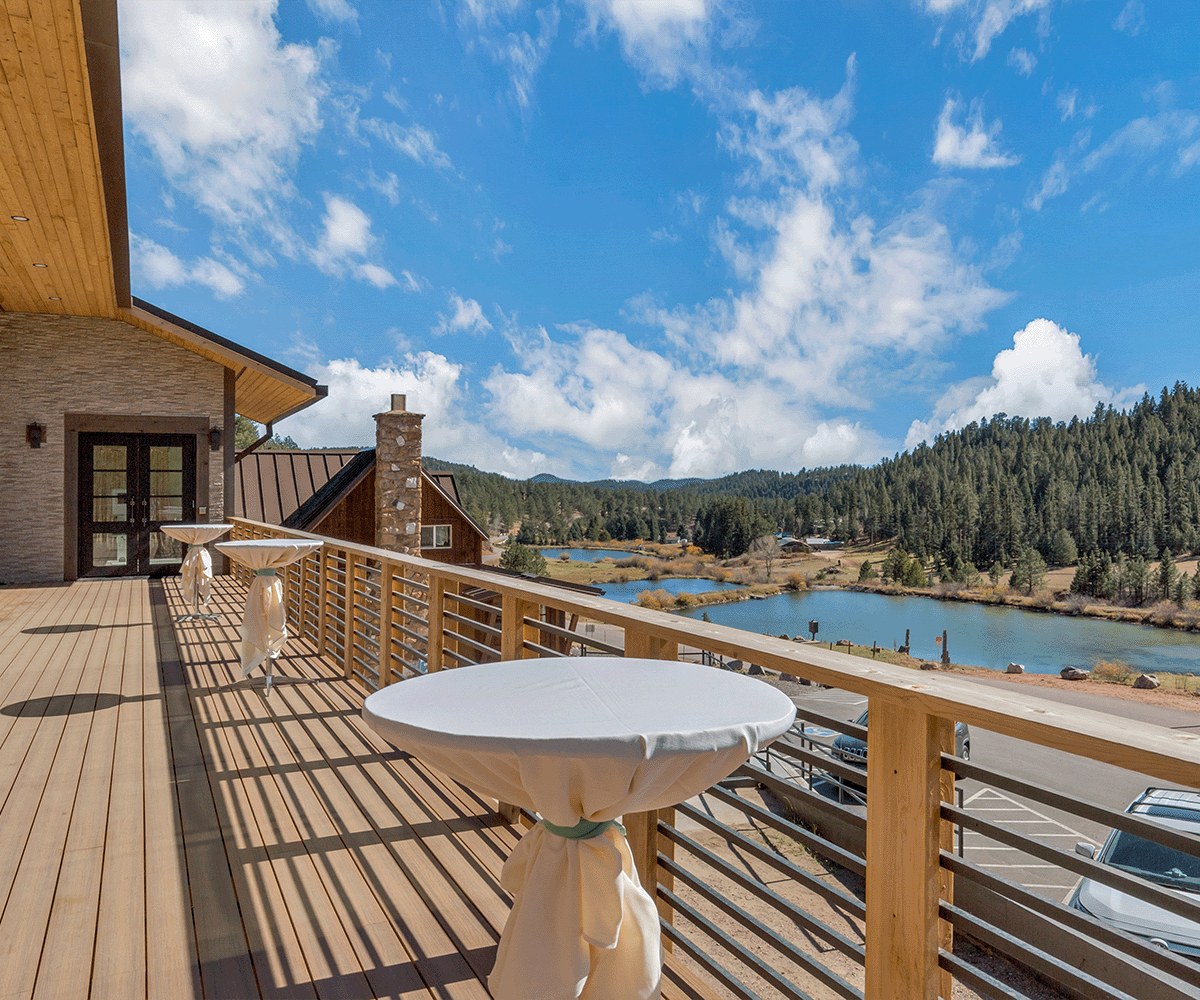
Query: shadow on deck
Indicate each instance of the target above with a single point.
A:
(168, 831)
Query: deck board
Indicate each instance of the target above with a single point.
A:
(171, 832)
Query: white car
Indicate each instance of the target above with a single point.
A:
(1173, 870)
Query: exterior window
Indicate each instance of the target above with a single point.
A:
(435, 536)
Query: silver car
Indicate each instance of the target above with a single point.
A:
(1173, 870)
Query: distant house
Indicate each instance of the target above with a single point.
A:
(332, 492)
(116, 417)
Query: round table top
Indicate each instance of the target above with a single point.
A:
(581, 706)
(262, 553)
(196, 534)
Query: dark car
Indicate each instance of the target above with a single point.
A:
(851, 750)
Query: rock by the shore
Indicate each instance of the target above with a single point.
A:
(843, 642)
(1074, 674)
(755, 670)
(790, 678)
(1016, 668)
(1146, 682)
(928, 665)
(734, 665)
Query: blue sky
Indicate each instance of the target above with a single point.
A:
(675, 237)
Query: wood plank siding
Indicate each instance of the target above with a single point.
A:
(170, 832)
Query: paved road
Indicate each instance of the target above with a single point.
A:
(1085, 779)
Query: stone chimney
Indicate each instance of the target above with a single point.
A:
(398, 479)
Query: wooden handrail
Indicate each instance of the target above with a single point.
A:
(912, 723)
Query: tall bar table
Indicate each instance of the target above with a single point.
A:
(196, 571)
(264, 625)
(582, 742)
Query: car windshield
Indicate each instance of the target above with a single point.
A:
(1154, 862)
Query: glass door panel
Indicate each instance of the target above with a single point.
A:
(129, 486)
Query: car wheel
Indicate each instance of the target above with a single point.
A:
(966, 751)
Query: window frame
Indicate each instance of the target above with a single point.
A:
(433, 529)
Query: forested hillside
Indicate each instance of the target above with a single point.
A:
(1115, 483)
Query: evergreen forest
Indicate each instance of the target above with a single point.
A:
(1117, 485)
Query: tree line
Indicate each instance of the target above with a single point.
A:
(1119, 486)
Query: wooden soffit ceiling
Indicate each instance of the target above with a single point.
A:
(62, 170)
(64, 231)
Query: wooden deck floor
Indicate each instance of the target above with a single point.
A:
(168, 832)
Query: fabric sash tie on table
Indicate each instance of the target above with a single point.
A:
(196, 575)
(264, 631)
(579, 916)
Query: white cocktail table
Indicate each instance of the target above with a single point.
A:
(196, 571)
(264, 625)
(581, 742)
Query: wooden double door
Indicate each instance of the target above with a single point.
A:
(130, 485)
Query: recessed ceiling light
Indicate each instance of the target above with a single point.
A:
(41, 265)
(19, 218)
(55, 298)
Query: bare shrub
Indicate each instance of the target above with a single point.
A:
(656, 600)
(1075, 604)
(622, 577)
(1163, 613)
(564, 557)
(1042, 599)
(654, 573)
(629, 563)
(1114, 672)
(720, 574)
(686, 600)
(796, 582)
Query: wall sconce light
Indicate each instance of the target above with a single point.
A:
(35, 434)
(214, 438)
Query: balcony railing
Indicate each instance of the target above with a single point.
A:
(385, 617)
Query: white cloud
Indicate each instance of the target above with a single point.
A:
(1044, 374)
(1023, 61)
(338, 11)
(663, 39)
(986, 20)
(1068, 105)
(1132, 18)
(519, 52)
(973, 146)
(346, 238)
(414, 282)
(222, 102)
(1169, 138)
(434, 386)
(416, 142)
(466, 316)
(158, 267)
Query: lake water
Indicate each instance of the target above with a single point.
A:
(588, 555)
(979, 634)
(627, 592)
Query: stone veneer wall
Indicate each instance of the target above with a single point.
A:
(398, 480)
(54, 365)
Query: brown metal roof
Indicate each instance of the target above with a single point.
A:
(271, 486)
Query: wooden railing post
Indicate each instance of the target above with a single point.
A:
(949, 744)
(437, 623)
(301, 603)
(513, 630)
(348, 621)
(386, 569)
(641, 829)
(323, 601)
(903, 840)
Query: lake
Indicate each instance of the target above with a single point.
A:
(588, 555)
(979, 634)
(627, 592)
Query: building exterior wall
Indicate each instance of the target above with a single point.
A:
(466, 547)
(58, 365)
(352, 519)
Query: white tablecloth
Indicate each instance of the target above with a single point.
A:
(592, 739)
(197, 564)
(264, 626)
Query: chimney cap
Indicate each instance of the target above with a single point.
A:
(398, 401)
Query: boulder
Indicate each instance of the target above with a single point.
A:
(928, 665)
(755, 670)
(790, 678)
(1147, 682)
(734, 665)
(1074, 674)
(844, 642)
(1016, 668)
